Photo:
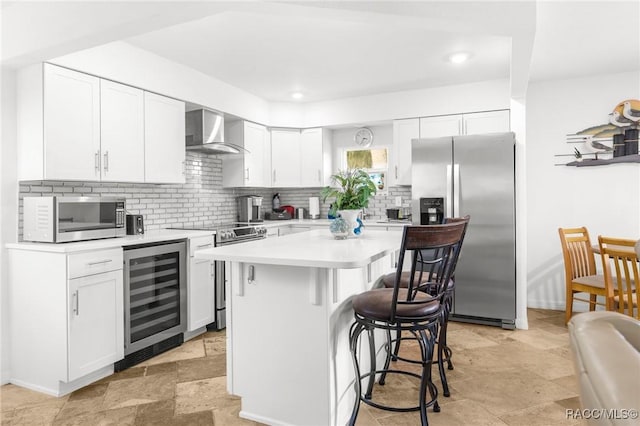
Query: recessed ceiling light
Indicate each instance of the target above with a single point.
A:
(297, 95)
(458, 57)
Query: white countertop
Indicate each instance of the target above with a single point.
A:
(316, 248)
(106, 243)
(326, 222)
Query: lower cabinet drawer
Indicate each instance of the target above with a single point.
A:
(94, 262)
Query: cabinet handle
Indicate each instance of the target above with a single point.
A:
(106, 161)
(96, 160)
(252, 274)
(319, 176)
(76, 309)
(203, 245)
(274, 176)
(396, 172)
(246, 174)
(213, 269)
(99, 262)
(184, 167)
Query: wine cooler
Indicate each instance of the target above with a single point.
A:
(155, 300)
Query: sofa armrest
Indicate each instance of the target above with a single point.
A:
(606, 354)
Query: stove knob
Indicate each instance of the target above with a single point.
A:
(262, 231)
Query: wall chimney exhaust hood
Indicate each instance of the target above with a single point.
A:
(204, 130)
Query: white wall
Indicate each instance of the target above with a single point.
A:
(482, 96)
(9, 203)
(605, 199)
(122, 62)
(518, 115)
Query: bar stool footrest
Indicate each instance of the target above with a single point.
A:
(432, 402)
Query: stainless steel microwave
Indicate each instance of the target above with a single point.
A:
(63, 219)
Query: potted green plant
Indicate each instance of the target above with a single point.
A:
(352, 190)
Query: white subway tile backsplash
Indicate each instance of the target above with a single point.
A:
(201, 201)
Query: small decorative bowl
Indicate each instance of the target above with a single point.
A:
(339, 228)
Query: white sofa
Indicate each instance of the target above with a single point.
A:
(606, 353)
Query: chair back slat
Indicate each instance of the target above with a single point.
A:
(619, 257)
(579, 260)
(435, 271)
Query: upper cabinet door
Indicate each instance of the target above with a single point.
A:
(71, 125)
(122, 132)
(403, 132)
(256, 162)
(311, 158)
(479, 123)
(285, 158)
(445, 125)
(164, 153)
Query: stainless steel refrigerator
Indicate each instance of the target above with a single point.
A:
(476, 176)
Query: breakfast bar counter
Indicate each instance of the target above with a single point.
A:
(288, 318)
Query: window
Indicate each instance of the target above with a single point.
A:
(374, 161)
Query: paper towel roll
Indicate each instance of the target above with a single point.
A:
(314, 207)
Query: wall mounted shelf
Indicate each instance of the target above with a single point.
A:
(599, 162)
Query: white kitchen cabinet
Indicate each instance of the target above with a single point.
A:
(201, 287)
(122, 132)
(445, 125)
(251, 169)
(285, 158)
(479, 123)
(315, 157)
(300, 158)
(74, 126)
(403, 132)
(67, 318)
(71, 146)
(95, 333)
(465, 124)
(164, 152)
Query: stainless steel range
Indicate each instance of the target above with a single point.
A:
(226, 234)
(239, 232)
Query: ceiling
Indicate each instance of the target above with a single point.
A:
(330, 50)
(326, 54)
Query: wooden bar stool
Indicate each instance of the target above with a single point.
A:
(444, 352)
(408, 309)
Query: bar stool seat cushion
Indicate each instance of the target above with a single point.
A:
(389, 279)
(376, 304)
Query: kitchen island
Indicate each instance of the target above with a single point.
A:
(289, 313)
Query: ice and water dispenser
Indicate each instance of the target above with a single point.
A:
(431, 211)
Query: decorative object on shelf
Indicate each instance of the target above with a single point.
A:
(615, 142)
(352, 191)
(339, 228)
(363, 137)
(577, 154)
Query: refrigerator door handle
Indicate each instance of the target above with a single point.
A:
(456, 190)
(448, 198)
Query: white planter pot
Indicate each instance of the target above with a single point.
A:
(351, 217)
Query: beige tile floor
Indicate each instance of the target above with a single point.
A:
(501, 377)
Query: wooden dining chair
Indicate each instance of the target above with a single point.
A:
(621, 273)
(580, 269)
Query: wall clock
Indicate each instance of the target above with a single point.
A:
(363, 137)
